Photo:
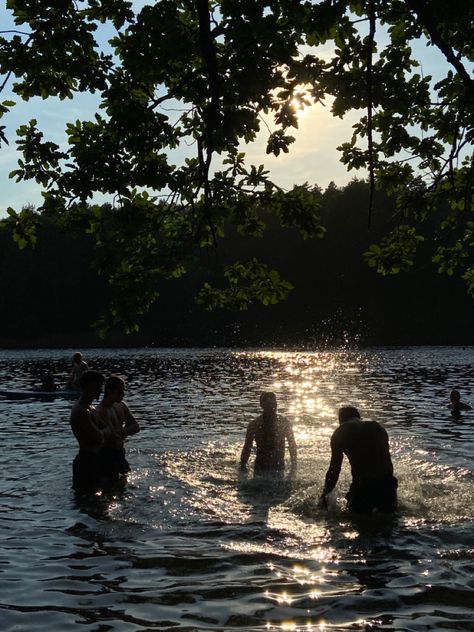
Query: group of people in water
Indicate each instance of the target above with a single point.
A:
(101, 432)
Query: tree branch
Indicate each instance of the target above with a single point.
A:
(17, 32)
(210, 58)
(370, 49)
(422, 12)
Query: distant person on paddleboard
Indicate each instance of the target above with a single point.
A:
(48, 383)
(113, 413)
(269, 431)
(86, 465)
(456, 405)
(79, 366)
(365, 444)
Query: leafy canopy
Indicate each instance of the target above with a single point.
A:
(209, 75)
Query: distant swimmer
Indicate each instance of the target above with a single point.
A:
(270, 431)
(365, 443)
(48, 383)
(456, 404)
(79, 366)
(85, 468)
(115, 414)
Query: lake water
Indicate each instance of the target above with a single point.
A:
(189, 545)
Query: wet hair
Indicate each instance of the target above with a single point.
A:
(89, 377)
(112, 382)
(77, 356)
(347, 412)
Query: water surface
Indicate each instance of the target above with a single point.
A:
(190, 544)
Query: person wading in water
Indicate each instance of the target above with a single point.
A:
(270, 431)
(113, 413)
(365, 443)
(90, 437)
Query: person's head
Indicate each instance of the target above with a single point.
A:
(77, 357)
(268, 402)
(347, 412)
(114, 388)
(47, 382)
(455, 397)
(91, 383)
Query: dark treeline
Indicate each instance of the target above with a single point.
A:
(51, 294)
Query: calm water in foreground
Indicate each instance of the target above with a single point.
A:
(188, 545)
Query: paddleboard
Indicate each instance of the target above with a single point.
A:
(65, 394)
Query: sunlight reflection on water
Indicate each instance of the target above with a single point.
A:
(191, 544)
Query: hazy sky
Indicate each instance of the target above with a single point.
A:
(313, 157)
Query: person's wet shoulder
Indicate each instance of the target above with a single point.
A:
(255, 424)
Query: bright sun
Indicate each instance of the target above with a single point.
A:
(300, 106)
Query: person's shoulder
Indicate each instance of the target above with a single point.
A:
(347, 429)
(375, 428)
(375, 424)
(284, 421)
(254, 424)
(78, 406)
(78, 411)
(372, 423)
(121, 409)
(338, 437)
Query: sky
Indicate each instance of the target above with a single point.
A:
(313, 158)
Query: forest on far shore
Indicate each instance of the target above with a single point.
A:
(52, 294)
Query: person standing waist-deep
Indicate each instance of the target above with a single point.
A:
(90, 437)
(115, 414)
(270, 432)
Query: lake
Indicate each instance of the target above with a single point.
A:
(190, 544)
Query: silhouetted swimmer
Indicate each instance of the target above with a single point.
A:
(85, 468)
(115, 414)
(456, 404)
(365, 443)
(79, 367)
(48, 383)
(270, 431)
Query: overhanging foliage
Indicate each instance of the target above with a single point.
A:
(226, 66)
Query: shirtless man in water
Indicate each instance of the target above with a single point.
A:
(79, 367)
(269, 431)
(365, 443)
(85, 468)
(115, 414)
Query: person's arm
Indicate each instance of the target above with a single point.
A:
(334, 469)
(70, 380)
(291, 445)
(131, 425)
(249, 437)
